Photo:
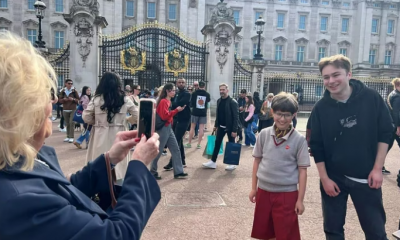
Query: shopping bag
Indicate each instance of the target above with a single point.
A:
(211, 145)
(78, 115)
(232, 153)
(207, 156)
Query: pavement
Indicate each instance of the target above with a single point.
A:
(214, 204)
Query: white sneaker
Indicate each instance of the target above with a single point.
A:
(62, 130)
(71, 140)
(210, 164)
(53, 119)
(230, 167)
(66, 140)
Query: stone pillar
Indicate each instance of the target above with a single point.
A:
(86, 26)
(257, 81)
(220, 34)
(141, 12)
(163, 12)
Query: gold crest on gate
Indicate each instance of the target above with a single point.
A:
(176, 62)
(133, 60)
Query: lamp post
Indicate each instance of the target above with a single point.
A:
(260, 28)
(40, 10)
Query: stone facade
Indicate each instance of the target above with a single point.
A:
(296, 34)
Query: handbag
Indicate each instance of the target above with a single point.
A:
(159, 122)
(211, 145)
(232, 153)
(78, 115)
(108, 200)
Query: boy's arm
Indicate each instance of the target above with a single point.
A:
(254, 178)
(302, 183)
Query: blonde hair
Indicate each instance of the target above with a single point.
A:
(223, 85)
(269, 95)
(27, 80)
(339, 61)
(395, 82)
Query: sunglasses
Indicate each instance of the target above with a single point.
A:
(190, 89)
(70, 83)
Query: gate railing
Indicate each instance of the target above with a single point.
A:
(310, 87)
(153, 54)
(242, 77)
(60, 62)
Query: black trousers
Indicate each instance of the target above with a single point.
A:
(367, 202)
(395, 137)
(218, 141)
(62, 118)
(179, 128)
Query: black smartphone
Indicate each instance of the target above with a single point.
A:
(146, 118)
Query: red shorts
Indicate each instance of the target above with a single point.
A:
(275, 216)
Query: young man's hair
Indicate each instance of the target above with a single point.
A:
(202, 84)
(395, 82)
(224, 85)
(243, 91)
(338, 61)
(68, 80)
(285, 102)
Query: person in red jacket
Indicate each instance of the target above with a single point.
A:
(167, 135)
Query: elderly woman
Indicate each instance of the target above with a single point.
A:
(36, 200)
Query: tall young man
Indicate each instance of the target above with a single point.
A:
(350, 132)
(199, 101)
(226, 123)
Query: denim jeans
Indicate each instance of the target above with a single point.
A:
(250, 137)
(85, 134)
(255, 122)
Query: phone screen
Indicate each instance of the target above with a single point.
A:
(145, 118)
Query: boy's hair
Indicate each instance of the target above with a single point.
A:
(285, 102)
(243, 91)
(202, 84)
(338, 61)
(395, 82)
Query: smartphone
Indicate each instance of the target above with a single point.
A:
(146, 117)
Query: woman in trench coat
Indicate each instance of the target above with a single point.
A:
(107, 113)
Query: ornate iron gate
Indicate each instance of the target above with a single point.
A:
(153, 54)
(60, 62)
(242, 76)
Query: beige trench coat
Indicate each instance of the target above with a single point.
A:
(103, 133)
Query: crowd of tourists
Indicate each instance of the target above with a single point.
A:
(352, 125)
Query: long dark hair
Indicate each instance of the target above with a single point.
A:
(250, 101)
(110, 88)
(164, 94)
(84, 89)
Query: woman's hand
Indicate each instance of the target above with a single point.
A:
(124, 142)
(147, 151)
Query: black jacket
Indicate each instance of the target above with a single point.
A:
(346, 135)
(43, 204)
(394, 105)
(203, 95)
(182, 98)
(232, 113)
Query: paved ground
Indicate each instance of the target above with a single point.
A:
(213, 204)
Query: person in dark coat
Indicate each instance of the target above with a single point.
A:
(36, 200)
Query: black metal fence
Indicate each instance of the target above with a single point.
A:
(153, 54)
(242, 77)
(60, 62)
(310, 88)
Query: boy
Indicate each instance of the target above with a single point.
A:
(350, 132)
(281, 159)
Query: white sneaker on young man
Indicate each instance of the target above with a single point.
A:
(71, 140)
(66, 140)
(62, 130)
(230, 167)
(210, 164)
(53, 119)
